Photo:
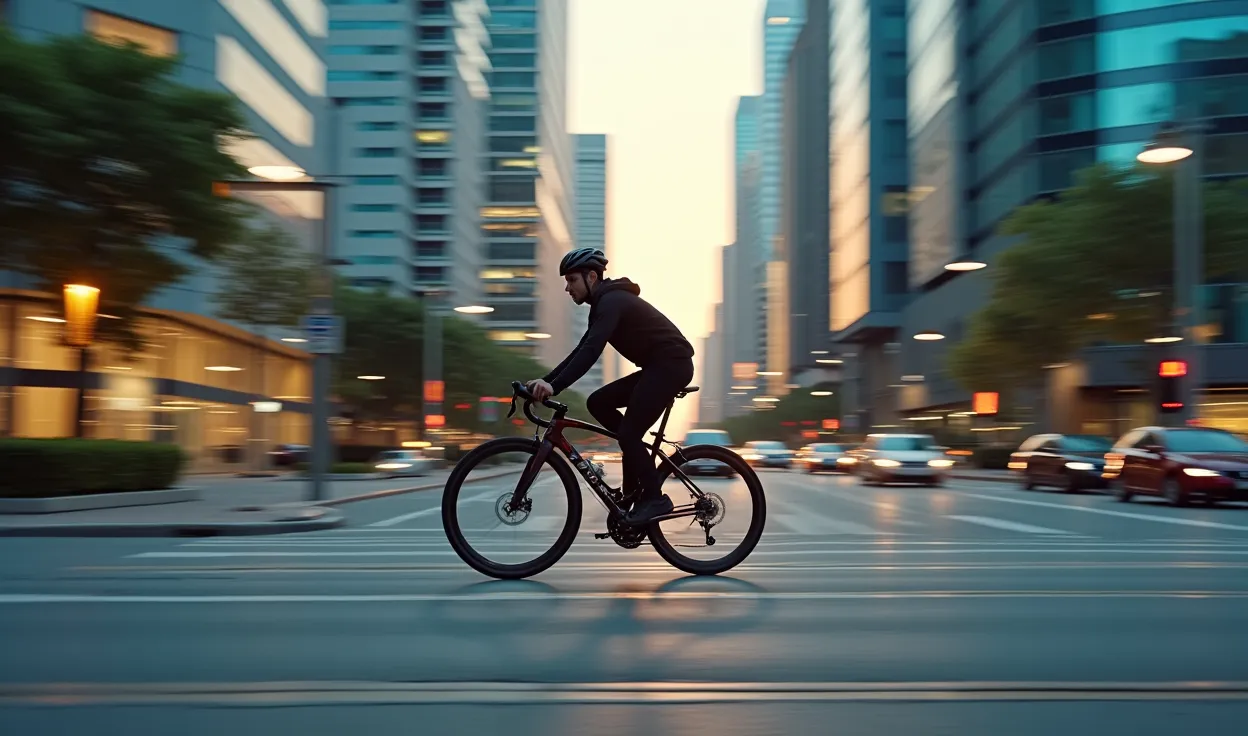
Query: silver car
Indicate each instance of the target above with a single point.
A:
(767, 454)
(706, 466)
(901, 458)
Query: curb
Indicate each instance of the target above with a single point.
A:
(401, 491)
(328, 520)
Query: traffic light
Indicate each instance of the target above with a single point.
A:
(1170, 391)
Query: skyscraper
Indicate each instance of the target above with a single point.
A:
(528, 219)
(804, 245)
(410, 80)
(782, 22)
(591, 232)
(868, 192)
(741, 259)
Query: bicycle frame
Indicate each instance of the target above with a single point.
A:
(553, 439)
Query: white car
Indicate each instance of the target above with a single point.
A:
(768, 454)
(706, 466)
(901, 458)
(401, 463)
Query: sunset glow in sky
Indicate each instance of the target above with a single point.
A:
(661, 78)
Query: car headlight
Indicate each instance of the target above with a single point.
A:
(393, 466)
(752, 457)
(940, 463)
(846, 460)
(1201, 472)
(1080, 466)
(1018, 465)
(886, 463)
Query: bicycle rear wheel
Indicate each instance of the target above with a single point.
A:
(738, 517)
(495, 538)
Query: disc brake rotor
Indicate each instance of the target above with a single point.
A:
(512, 516)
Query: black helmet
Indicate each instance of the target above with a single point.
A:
(583, 259)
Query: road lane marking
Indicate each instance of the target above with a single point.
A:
(815, 525)
(491, 495)
(1012, 526)
(1106, 512)
(316, 693)
(74, 598)
(756, 553)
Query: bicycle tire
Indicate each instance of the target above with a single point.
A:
(714, 567)
(450, 517)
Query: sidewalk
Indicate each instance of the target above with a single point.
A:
(227, 506)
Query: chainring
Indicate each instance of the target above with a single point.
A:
(628, 537)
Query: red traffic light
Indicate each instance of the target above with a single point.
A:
(1172, 368)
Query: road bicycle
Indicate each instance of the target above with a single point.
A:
(549, 461)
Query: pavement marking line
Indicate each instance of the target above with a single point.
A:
(490, 495)
(309, 693)
(1106, 512)
(1012, 526)
(69, 598)
(756, 553)
(814, 526)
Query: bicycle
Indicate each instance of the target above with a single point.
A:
(552, 451)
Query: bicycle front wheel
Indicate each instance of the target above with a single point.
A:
(736, 513)
(491, 533)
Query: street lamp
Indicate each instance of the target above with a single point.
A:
(965, 264)
(929, 336)
(434, 389)
(81, 306)
(1174, 143)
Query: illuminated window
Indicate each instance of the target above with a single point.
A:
(433, 137)
(507, 336)
(512, 251)
(117, 30)
(510, 212)
(494, 274)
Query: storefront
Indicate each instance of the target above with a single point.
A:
(215, 390)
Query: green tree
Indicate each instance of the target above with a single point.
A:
(385, 337)
(264, 284)
(103, 155)
(1095, 264)
(793, 409)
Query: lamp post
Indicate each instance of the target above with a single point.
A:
(434, 388)
(81, 307)
(1174, 143)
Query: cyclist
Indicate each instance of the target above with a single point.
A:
(619, 317)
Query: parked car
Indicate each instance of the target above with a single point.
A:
(287, 455)
(716, 437)
(1178, 464)
(906, 458)
(402, 463)
(1069, 461)
(767, 454)
(823, 457)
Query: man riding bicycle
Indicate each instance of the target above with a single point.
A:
(619, 317)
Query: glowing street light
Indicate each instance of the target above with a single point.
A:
(929, 336)
(278, 173)
(474, 309)
(1166, 147)
(81, 303)
(965, 264)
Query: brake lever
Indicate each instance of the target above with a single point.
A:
(512, 413)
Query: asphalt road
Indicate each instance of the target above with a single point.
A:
(977, 608)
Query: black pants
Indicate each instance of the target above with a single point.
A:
(645, 394)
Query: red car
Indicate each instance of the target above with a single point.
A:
(1178, 464)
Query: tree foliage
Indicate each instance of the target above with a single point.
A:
(265, 279)
(1096, 264)
(102, 155)
(385, 337)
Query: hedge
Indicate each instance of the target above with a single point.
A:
(41, 468)
(342, 468)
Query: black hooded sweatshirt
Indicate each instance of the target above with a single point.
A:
(619, 317)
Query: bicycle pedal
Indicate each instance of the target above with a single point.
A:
(603, 535)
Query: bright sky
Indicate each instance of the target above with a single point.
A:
(661, 79)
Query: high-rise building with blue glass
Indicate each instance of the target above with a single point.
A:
(1009, 100)
(591, 232)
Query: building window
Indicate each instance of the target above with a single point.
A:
(1067, 114)
(513, 61)
(1069, 58)
(896, 278)
(514, 102)
(500, 230)
(433, 33)
(503, 190)
(432, 167)
(896, 229)
(430, 249)
(365, 25)
(376, 125)
(512, 252)
(433, 84)
(431, 110)
(374, 208)
(374, 234)
(370, 101)
(895, 140)
(509, 272)
(341, 75)
(513, 124)
(524, 312)
(430, 223)
(513, 19)
(377, 181)
(433, 7)
(373, 260)
(513, 144)
(522, 80)
(357, 50)
(372, 283)
(117, 30)
(376, 152)
(895, 74)
(1062, 11)
(433, 58)
(432, 138)
(514, 41)
(425, 274)
(431, 196)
